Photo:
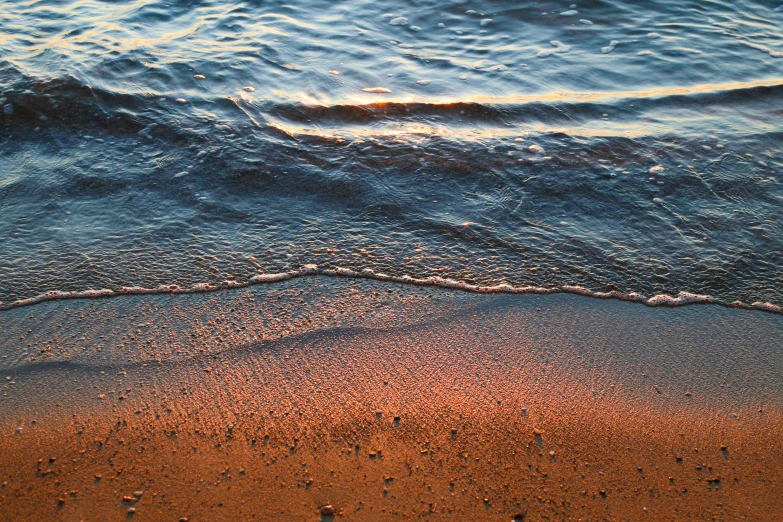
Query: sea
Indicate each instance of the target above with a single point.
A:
(629, 149)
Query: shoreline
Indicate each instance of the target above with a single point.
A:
(389, 403)
(684, 298)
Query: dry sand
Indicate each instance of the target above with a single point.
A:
(388, 403)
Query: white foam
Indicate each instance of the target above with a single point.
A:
(585, 21)
(400, 20)
(656, 169)
(767, 307)
(570, 12)
(377, 90)
(682, 299)
(559, 48)
(609, 48)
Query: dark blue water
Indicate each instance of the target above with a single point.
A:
(635, 146)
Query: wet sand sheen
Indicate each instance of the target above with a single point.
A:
(388, 402)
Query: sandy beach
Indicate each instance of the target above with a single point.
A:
(385, 402)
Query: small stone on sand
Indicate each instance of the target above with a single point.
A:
(327, 510)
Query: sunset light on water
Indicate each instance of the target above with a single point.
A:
(438, 260)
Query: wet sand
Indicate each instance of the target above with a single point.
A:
(388, 402)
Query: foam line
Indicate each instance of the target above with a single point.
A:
(682, 299)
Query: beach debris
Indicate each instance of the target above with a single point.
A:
(327, 510)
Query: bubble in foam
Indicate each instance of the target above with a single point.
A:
(400, 20)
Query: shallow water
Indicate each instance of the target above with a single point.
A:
(627, 145)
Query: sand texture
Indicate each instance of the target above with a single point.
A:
(387, 402)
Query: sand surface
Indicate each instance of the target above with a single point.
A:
(388, 403)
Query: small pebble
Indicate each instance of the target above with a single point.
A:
(327, 510)
(131, 510)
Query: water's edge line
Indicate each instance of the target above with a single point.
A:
(682, 299)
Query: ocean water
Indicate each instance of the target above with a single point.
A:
(596, 146)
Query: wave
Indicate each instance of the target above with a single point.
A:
(70, 101)
(662, 300)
